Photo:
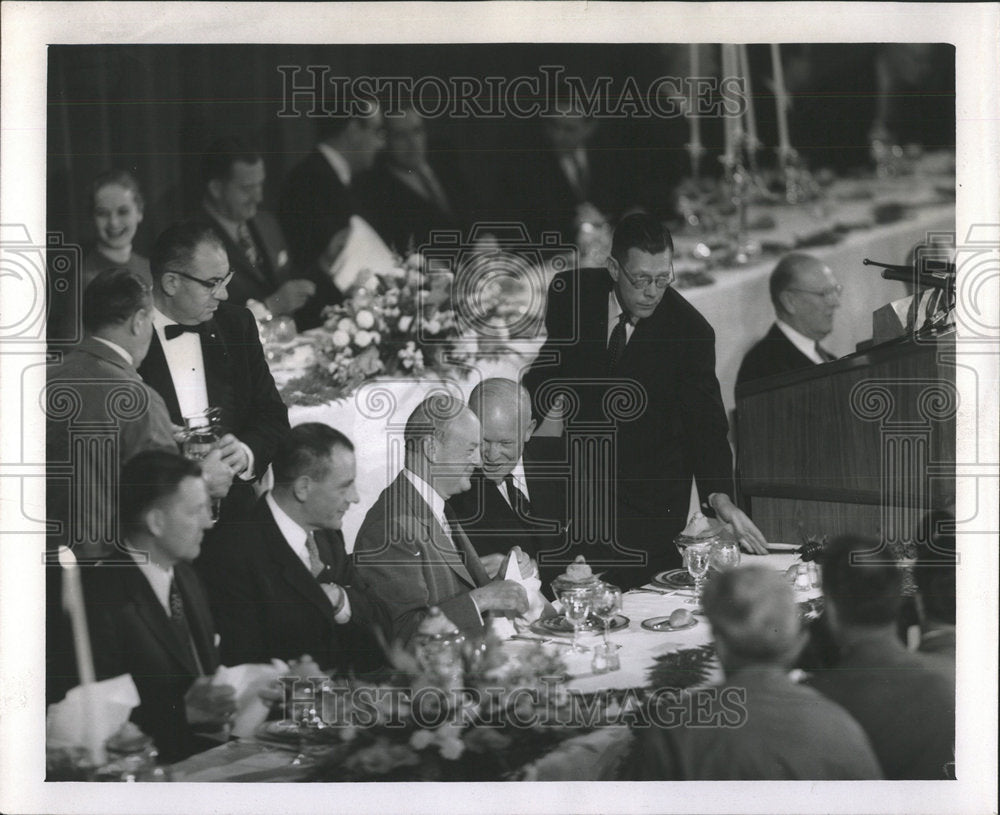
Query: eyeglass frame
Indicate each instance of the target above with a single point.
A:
(219, 284)
(826, 294)
(634, 281)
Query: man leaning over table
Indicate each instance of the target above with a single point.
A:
(805, 295)
(757, 724)
(411, 550)
(624, 330)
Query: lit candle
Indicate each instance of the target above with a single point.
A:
(693, 72)
(748, 90)
(781, 101)
(730, 146)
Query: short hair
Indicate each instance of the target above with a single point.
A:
(176, 245)
(867, 591)
(220, 156)
(120, 178)
(306, 450)
(112, 297)
(752, 609)
(937, 560)
(431, 418)
(784, 273)
(149, 477)
(350, 109)
(499, 388)
(643, 232)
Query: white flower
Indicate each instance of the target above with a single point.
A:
(376, 337)
(421, 739)
(364, 319)
(414, 261)
(347, 324)
(405, 322)
(363, 339)
(414, 279)
(432, 326)
(397, 272)
(340, 338)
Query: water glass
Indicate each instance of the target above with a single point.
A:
(576, 605)
(697, 558)
(606, 603)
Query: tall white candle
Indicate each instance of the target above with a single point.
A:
(735, 70)
(751, 115)
(780, 100)
(694, 69)
(727, 123)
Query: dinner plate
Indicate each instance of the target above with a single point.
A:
(673, 579)
(282, 731)
(663, 624)
(559, 626)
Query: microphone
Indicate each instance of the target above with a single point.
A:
(929, 276)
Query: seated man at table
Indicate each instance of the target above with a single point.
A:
(147, 611)
(283, 585)
(805, 295)
(760, 725)
(411, 550)
(513, 500)
(905, 701)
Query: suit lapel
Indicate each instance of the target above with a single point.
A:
(440, 548)
(156, 374)
(150, 611)
(198, 616)
(218, 381)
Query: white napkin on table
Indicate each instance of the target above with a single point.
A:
(248, 680)
(113, 700)
(363, 250)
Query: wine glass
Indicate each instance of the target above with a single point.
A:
(576, 605)
(697, 557)
(607, 602)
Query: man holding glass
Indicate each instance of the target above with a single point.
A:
(631, 364)
(207, 354)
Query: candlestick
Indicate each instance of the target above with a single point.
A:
(729, 155)
(751, 115)
(694, 147)
(781, 101)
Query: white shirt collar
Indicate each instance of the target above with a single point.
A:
(116, 347)
(614, 312)
(520, 481)
(159, 580)
(337, 162)
(806, 345)
(430, 495)
(295, 536)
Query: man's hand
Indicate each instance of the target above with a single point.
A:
(205, 703)
(501, 595)
(233, 453)
(217, 474)
(492, 563)
(749, 536)
(291, 296)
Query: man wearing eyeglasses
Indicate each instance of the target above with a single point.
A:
(206, 353)
(805, 295)
(637, 365)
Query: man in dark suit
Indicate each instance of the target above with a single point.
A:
(318, 200)
(805, 295)
(905, 701)
(411, 191)
(518, 496)
(410, 549)
(147, 612)
(637, 364)
(206, 353)
(284, 586)
(234, 176)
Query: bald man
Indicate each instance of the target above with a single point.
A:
(805, 295)
(518, 495)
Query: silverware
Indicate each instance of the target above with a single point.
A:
(651, 591)
(546, 641)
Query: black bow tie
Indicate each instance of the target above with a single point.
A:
(174, 330)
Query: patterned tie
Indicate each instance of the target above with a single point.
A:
(249, 248)
(824, 355)
(178, 617)
(617, 343)
(316, 564)
(518, 500)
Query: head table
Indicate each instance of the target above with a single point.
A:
(592, 756)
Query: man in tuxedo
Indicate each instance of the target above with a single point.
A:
(905, 701)
(284, 586)
(319, 198)
(206, 353)
(518, 497)
(637, 364)
(411, 550)
(147, 612)
(234, 176)
(411, 192)
(757, 725)
(805, 295)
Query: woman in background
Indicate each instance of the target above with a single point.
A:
(116, 207)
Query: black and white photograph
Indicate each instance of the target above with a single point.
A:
(499, 407)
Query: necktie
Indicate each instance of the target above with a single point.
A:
(316, 564)
(175, 330)
(433, 189)
(248, 247)
(178, 618)
(825, 355)
(518, 501)
(617, 343)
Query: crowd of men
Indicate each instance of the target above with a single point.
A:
(173, 592)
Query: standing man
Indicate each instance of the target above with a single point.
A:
(234, 176)
(319, 198)
(207, 353)
(148, 614)
(805, 295)
(638, 360)
(517, 497)
(283, 586)
(410, 548)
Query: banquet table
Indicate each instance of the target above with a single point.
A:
(592, 756)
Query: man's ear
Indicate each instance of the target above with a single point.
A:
(215, 189)
(787, 302)
(301, 487)
(530, 429)
(169, 283)
(613, 268)
(155, 519)
(137, 320)
(429, 446)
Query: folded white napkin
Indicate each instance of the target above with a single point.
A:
(111, 703)
(363, 250)
(248, 680)
(506, 627)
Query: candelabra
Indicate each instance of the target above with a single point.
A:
(739, 184)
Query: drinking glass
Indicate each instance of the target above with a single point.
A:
(607, 602)
(726, 555)
(201, 435)
(576, 605)
(697, 557)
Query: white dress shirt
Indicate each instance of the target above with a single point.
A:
(806, 345)
(614, 313)
(337, 162)
(295, 536)
(116, 347)
(519, 480)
